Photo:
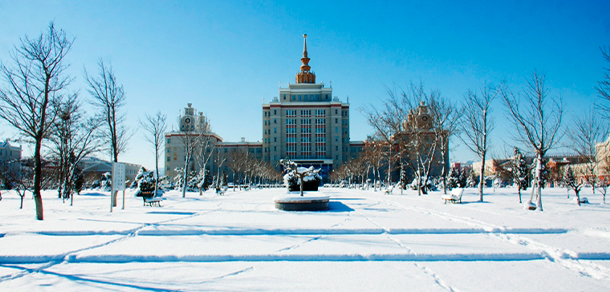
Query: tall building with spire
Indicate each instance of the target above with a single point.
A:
(306, 124)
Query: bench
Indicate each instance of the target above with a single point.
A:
(152, 201)
(388, 191)
(221, 191)
(454, 197)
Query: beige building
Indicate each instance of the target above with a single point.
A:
(10, 160)
(209, 150)
(306, 123)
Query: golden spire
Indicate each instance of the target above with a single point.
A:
(305, 67)
(305, 76)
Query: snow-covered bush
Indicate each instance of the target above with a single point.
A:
(429, 186)
(146, 183)
(106, 181)
(311, 181)
(300, 178)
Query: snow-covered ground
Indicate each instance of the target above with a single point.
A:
(368, 241)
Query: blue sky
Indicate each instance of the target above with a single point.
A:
(226, 56)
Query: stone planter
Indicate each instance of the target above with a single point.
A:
(298, 203)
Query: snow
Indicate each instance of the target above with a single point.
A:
(367, 241)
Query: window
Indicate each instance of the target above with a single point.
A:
(299, 97)
(336, 129)
(336, 148)
(336, 139)
(274, 130)
(336, 112)
(274, 139)
(291, 113)
(275, 112)
(336, 121)
(284, 97)
(168, 159)
(169, 140)
(275, 121)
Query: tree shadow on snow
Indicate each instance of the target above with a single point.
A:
(334, 206)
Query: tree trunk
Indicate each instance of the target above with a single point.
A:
(38, 178)
(482, 176)
(184, 177)
(538, 182)
(302, 179)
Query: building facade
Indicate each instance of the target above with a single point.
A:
(10, 161)
(93, 168)
(423, 146)
(306, 124)
(207, 148)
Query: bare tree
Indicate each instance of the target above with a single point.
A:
(603, 87)
(189, 142)
(477, 125)
(75, 137)
(587, 130)
(445, 116)
(33, 86)
(155, 127)
(109, 98)
(538, 122)
(375, 152)
(204, 148)
(417, 146)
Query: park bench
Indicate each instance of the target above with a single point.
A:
(388, 191)
(221, 191)
(454, 197)
(153, 201)
(150, 199)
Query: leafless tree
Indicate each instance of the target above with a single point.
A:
(155, 127)
(204, 148)
(375, 152)
(477, 124)
(33, 85)
(74, 138)
(418, 147)
(538, 122)
(445, 117)
(109, 98)
(603, 87)
(587, 131)
(188, 139)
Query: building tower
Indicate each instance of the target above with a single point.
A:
(306, 123)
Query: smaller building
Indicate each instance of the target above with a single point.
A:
(10, 161)
(93, 168)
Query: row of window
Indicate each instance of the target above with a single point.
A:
(304, 113)
(305, 97)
